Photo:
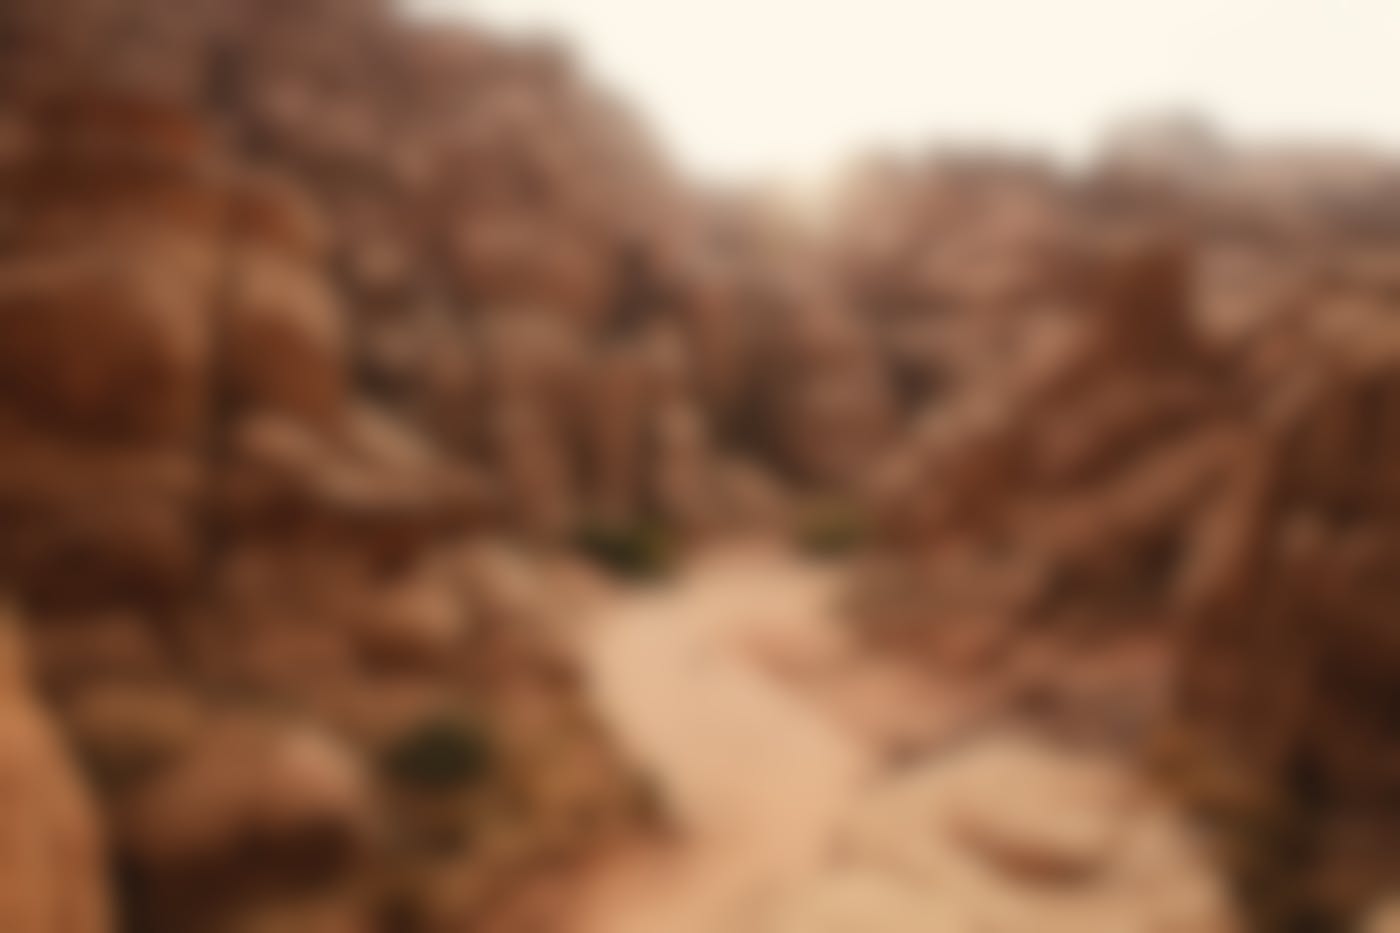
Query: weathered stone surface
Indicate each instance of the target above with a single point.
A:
(53, 871)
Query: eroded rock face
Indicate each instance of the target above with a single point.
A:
(1179, 458)
(244, 511)
(54, 874)
(250, 814)
(368, 201)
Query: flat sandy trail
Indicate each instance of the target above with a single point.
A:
(755, 770)
(755, 775)
(768, 731)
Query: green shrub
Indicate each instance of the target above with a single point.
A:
(643, 550)
(441, 754)
(830, 528)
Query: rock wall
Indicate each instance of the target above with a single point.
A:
(53, 875)
(1181, 446)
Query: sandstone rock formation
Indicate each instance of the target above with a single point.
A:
(1179, 458)
(53, 871)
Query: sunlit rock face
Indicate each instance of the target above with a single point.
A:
(373, 199)
(52, 873)
(242, 505)
(1154, 466)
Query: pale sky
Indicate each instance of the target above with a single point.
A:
(737, 89)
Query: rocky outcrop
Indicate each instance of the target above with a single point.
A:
(246, 531)
(1179, 459)
(54, 875)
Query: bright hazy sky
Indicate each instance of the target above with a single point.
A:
(744, 88)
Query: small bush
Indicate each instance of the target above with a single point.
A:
(441, 754)
(830, 529)
(639, 551)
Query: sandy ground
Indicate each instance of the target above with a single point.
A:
(736, 691)
(783, 751)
